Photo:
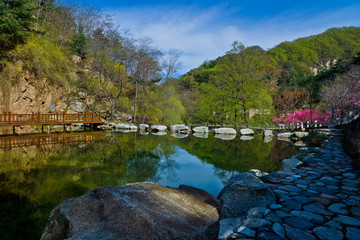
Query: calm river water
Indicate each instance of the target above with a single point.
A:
(39, 172)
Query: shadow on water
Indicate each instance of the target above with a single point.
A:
(37, 173)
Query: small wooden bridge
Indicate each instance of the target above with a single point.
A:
(40, 119)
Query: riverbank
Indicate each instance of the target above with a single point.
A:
(320, 199)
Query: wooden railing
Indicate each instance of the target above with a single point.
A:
(11, 119)
(10, 142)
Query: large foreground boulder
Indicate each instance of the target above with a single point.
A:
(135, 211)
(245, 191)
(229, 131)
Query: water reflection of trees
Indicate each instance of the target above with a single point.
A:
(35, 179)
(239, 155)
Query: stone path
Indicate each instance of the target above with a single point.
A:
(320, 199)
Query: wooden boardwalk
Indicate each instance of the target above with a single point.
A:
(9, 142)
(11, 119)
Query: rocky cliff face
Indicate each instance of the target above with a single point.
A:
(31, 94)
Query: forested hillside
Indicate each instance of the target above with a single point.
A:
(73, 56)
(251, 82)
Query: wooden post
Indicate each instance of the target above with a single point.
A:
(93, 116)
(78, 117)
(38, 117)
(9, 117)
(85, 117)
(57, 116)
(100, 116)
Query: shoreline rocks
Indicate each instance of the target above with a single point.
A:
(225, 131)
(201, 129)
(244, 192)
(158, 128)
(246, 131)
(179, 128)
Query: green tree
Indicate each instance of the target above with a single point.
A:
(16, 21)
(242, 74)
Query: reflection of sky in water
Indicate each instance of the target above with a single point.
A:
(187, 169)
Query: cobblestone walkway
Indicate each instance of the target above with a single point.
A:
(320, 199)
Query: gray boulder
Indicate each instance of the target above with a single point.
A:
(290, 164)
(284, 135)
(301, 134)
(158, 128)
(179, 128)
(143, 127)
(246, 131)
(136, 211)
(201, 129)
(268, 133)
(229, 131)
(245, 191)
(127, 126)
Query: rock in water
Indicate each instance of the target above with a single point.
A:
(229, 131)
(158, 128)
(179, 128)
(245, 191)
(201, 129)
(246, 131)
(268, 133)
(136, 211)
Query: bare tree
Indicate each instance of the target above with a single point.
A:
(344, 93)
(170, 63)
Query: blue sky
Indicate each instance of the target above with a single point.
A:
(204, 30)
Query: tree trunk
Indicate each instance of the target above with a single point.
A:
(135, 101)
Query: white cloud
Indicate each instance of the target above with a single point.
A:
(208, 33)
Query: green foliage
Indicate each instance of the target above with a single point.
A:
(78, 43)
(44, 59)
(297, 57)
(15, 23)
(315, 139)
